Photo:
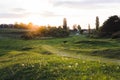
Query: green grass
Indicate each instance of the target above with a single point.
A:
(108, 48)
(29, 60)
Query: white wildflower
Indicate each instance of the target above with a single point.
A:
(83, 62)
(69, 66)
(118, 67)
(32, 66)
(76, 64)
(23, 65)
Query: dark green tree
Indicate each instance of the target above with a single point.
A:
(97, 23)
(79, 28)
(89, 29)
(110, 26)
(65, 24)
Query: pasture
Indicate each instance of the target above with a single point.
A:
(79, 58)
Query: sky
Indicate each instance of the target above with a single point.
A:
(52, 12)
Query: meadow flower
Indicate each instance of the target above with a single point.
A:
(69, 66)
(76, 64)
(118, 67)
(23, 65)
(83, 62)
(32, 66)
(103, 65)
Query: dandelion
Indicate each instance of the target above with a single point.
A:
(32, 66)
(69, 66)
(23, 65)
(83, 62)
(103, 65)
(118, 67)
(76, 64)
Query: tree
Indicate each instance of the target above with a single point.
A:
(65, 24)
(75, 27)
(79, 28)
(110, 26)
(97, 23)
(30, 25)
(89, 30)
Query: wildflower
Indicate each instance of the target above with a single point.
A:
(103, 65)
(83, 62)
(69, 66)
(23, 65)
(118, 67)
(32, 66)
(76, 64)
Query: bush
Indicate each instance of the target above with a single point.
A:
(52, 32)
(27, 36)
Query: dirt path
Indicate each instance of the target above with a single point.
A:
(79, 56)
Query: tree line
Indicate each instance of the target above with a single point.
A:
(44, 31)
(110, 28)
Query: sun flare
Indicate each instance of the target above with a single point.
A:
(52, 12)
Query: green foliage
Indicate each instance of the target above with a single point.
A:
(12, 32)
(28, 36)
(45, 32)
(97, 23)
(52, 32)
(110, 26)
(80, 30)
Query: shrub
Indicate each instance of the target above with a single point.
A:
(27, 36)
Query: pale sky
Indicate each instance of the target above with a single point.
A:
(44, 12)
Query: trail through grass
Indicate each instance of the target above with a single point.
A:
(79, 56)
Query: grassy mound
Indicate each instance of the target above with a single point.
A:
(110, 53)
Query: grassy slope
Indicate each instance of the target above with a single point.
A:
(64, 53)
(107, 48)
(28, 60)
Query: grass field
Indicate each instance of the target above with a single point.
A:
(80, 58)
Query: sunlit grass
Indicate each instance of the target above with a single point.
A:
(28, 60)
(27, 66)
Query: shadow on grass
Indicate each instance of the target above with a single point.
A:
(108, 53)
(93, 42)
